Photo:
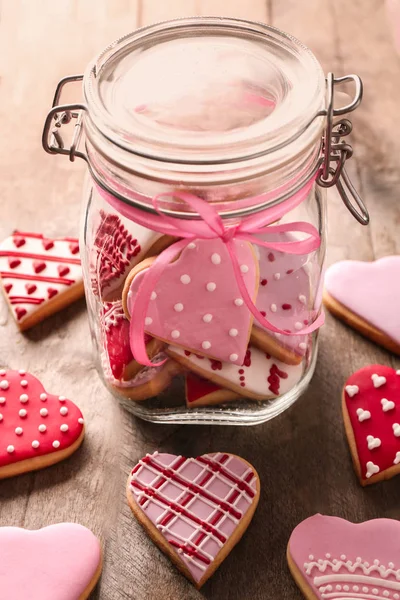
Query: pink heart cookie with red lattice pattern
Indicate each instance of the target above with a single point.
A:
(37, 429)
(197, 304)
(371, 411)
(333, 559)
(194, 509)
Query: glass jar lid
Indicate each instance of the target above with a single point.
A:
(205, 91)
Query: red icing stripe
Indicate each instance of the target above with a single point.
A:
(25, 300)
(60, 280)
(40, 236)
(215, 466)
(72, 261)
(190, 551)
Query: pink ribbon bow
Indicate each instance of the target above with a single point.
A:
(211, 226)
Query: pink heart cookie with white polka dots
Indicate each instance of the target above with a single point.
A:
(194, 509)
(197, 303)
(331, 558)
(371, 412)
(37, 429)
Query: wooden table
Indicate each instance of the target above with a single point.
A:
(301, 456)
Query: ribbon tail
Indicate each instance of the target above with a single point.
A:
(140, 303)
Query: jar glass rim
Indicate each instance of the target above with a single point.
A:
(293, 116)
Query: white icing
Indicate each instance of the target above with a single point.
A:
(206, 345)
(2, 372)
(19, 430)
(62, 398)
(64, 427)
(191, 246)
(56, 444)
(22, 413)
(185, 279)
(4, 385)
(175, 334)
(363, 415)
(298, 326)
(397, 459)
(44, 412)
(24, 382)
(233, 357)
(277, 276)
(2, 400)
(239, 302)
(10, 449)
(148, 321)
(207, 318)
(178, 307)
(303, 346)
(43, 397)
(42, 428)
(153, 295)
(373, 442)
(274, 308)
(378, 380)
(211, 286)
(233, 332)
(244, 268)
(35, 444)
(80, 421)
(22, 372)
(216, 259)
(352, 390)
(64, 411)
(1, 417)
(24, 398)
(387, 404)
(372, 469)
(396, 429)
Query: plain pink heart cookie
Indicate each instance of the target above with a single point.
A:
(366, 296)
(331, 558)
(40, 276)
(371, 412)
(197, 304)
(59, 562)
(37, 429)
(194, 509)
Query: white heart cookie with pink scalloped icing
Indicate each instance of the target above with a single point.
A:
(197, 304)
(331, 558)
(194, 509)
(366, 296)
(59, 562)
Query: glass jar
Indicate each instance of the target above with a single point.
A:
(209, 145)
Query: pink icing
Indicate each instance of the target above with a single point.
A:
(370, 290)
(344, 561)
(212, 494)
(284, 292)
(195, 298)
(54, 563)
(381, 421)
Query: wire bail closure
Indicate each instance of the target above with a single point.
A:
(335, 151)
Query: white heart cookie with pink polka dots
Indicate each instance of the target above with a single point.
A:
(197, 303)
(36, 428)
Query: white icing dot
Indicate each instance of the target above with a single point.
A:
(346, 588)
(1, 417)
(22, 413)
(178, 307)
(311, 557)
(56, 444)
(391, 565)
(42, 428)
(81, 421)
(35, 444)
(44, 412)
(273, 308)
(175, 334)
(191, 246)
(327, 555)
(4, 385)
(185, 279)
(386, 594)
(278, 335)
(19, 430)
(207, 318)
(277, 276)
(298, 325)
(338, 587)
(62, 398)
(211, 286)
(2, 371)
(302, 299)
(64, 410)
(24, 382)
(396, 597)
(342, 557)
(233, 357)
(396, 429)
(10, 449)
(64, 427)
(216, 259)
(206, 345)
(244, 268)
(43, 397)
(355, 588)
(233, 332)
(148, 321)
(22, 371)
(365, 589)
(239, 302)
(302, 346)
(153, 295)
(2, 400)
(375, 591)
(24, 398)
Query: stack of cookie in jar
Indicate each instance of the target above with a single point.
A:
(196, 324)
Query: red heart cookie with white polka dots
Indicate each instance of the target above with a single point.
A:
(196, 303)
(194, 509)
(371, 411)
(37, 429)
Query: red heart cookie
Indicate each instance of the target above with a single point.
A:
(371, 412)
(202, 392)
(36, 428)
(333, 559)
(39, 276)
(60, 562)
(194, 509)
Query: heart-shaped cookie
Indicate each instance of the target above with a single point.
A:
(59, 562)
(202, 392)
(39, 276)
(259, 377)
(194, 509)
(333, 559)
(371, 412)
(366, 295)
(36, 428)
(197, 303)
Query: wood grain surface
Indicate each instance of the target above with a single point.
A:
(301, 457)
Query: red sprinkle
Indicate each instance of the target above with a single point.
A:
(14, 262)
(289, 272)
(63, 270)
(30, 288)
(8, 287)
(247, 359)
(216, 365)
(19, 241)
(74, 248)
(264, 314)
(20, 312)
(271, 257)
(286, 306)
(48, 244)
(39, 266)
(241, 371)
(51, 292)
(187, 353)
(264, 281)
